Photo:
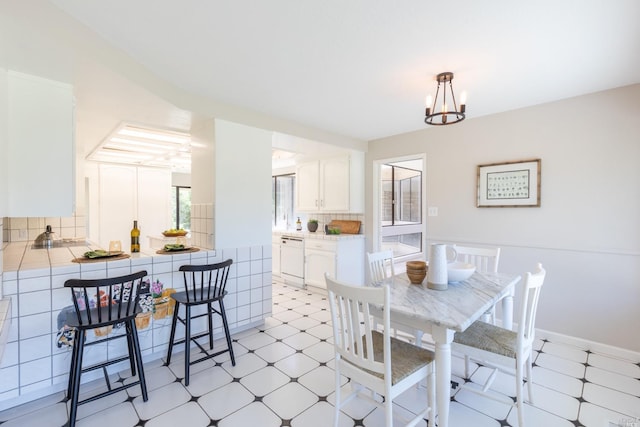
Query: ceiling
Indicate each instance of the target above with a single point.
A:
(358, 68)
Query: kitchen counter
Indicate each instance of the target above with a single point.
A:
(36, 361)
(317, 235)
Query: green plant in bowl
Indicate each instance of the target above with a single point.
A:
(312, 225)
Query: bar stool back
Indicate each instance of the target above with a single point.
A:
(103, 303)
(204, 285)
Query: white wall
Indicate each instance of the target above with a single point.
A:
(242, 185)
(4, 113)
(586, 232)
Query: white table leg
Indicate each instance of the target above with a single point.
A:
(443, 338)
(507, 310)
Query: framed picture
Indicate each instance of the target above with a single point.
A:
(510, 184)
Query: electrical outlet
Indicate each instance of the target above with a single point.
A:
(22, 234)
(432, 211)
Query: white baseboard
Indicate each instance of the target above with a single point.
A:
(593, 346)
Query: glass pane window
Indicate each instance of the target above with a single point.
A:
(401, 208)
(282, 195)
(181, 208)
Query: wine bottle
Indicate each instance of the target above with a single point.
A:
(135, 238)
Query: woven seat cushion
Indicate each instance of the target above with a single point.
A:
(406, 358)
(485, 336)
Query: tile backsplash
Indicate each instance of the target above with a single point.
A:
(202, 225)
(27, 229)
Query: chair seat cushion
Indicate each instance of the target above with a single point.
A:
(406, 358)
(485, 336)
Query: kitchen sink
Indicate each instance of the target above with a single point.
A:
(64, 243)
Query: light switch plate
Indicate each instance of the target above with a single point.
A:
(432, 211)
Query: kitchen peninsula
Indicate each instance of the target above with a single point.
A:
(36, 364)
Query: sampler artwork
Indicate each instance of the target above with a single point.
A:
(510, 184)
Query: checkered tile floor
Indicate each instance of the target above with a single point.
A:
(284, 377)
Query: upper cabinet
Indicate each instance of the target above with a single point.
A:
(40, 147)
(331, 185)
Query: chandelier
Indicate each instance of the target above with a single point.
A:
(445, 116)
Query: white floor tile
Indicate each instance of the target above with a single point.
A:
(321, 381)
(296, 365)
(320, 415)
(612, 399)
(612, 364)
(596, 416)
(290, 400)
(535, 417)
(282, 331)
(161, 400)
(256, 341)
(558, 364)
(613, 380)
(122, 414)
(301, 340)
(208, 380)
(322, 352)
(565, 351)
(252, 415)
(555, 402)
(55, 415)
(245, 364)
(460, 415)
(190, 414)
(264, 381)
(400, 417)
(304, 323)
(274, 352)
(557, 381)
(225, 400)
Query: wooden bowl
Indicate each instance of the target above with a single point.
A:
(416, 277)
(174, 234)
(416, 265)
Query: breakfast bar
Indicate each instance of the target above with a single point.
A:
(36, 359)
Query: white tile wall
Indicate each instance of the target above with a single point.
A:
(33, 364)
(27, 229)
(202, 224)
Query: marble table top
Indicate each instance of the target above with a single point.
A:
(455, 308)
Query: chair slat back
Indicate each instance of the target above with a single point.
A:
(351, 320)
(207, 281)
(105, 301)
(530, 297)
(485, 259)
(380, 266)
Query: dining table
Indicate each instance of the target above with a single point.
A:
(442, 313)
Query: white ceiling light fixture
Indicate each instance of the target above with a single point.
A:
(142, 146)
(446, 115)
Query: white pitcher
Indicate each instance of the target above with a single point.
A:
(437, 274)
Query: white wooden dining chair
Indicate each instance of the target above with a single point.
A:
(372, 359)
(381, 270)
(505, 350)
(486, 261)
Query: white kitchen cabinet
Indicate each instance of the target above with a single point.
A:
(342, 259)
(128, 193)
(40, 155)
(331, 185)
(275, 256)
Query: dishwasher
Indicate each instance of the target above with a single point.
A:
(292, 260)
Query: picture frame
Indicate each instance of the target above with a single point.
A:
(509, 184)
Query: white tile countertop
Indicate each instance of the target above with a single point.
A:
(317, 235)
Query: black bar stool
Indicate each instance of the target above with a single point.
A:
(103, 303)
(203, 284)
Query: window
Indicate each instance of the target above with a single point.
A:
(181, 208)
(282, 206)
(401, 207)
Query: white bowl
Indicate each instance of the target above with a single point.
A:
(459, 271)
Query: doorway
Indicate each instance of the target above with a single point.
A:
(400, 206)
